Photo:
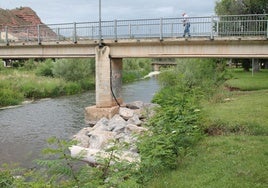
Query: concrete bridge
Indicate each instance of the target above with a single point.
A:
(242, 36)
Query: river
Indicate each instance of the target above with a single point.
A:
(25, 129)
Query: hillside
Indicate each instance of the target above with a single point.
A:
(18, 17)
(23, 16)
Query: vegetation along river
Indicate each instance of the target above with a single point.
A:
(25, 129)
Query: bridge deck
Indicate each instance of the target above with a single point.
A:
(169, 47)
(212, 36)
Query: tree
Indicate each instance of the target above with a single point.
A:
(232, 7)
(238, 7)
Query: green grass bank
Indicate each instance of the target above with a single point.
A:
(31, 80)
(234, 153)
(207, 133)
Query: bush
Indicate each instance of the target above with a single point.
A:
(73, 69)
(176, 126)
(72, 88)
(45, 68)
(87, 84)
(202, 75)
(130, 76)
(6, 179)
(137, 64)
(10, 97)
(134, 69)
(28, 65)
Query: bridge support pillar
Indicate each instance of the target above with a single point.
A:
(108, 86)
(156, 67)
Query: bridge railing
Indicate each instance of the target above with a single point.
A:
(210, 26)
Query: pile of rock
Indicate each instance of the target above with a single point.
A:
(95, 140)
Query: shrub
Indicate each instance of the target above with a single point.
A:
(134, 69)
(10, 97)
(41, 87)
(130, 76)
(45, 68)
(87, 83)
(6, 178)
(59, 169)
(174, 128)
(176, 124)
(28, 65)
(72, 88)
(73, 69)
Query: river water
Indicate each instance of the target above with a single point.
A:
(25, 129)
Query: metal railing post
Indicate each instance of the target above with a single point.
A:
(92, 32)
(28, 35)
(38, 32)
(129, 30)
(100, 25)
(161, 29)
(115, 30)
(172, 25)
(211, 28)
(74, 34)
(58, 33)
(267, 29)
(6, 30)
(217, 29)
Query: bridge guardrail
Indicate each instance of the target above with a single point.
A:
(210, 26)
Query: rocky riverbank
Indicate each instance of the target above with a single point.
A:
(123, 129)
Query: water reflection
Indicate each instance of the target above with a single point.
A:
(25, 129)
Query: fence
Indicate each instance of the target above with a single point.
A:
(212, 26)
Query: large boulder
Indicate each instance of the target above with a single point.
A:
(82, 137)
(126, 113)
(117, 123)
(121, 128)
(134, 120)
(101, 125)
(92, 156)
(99, 139)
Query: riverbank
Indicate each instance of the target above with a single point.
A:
(31, 80)
(234, 152)
(176, 139)
(26, 128)
(18, 85)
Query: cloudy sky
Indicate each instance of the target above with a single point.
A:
(67, 11)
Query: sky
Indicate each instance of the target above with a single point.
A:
(69, 11)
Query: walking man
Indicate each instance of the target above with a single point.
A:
(186, 25)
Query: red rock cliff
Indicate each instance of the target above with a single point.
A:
(18, 17)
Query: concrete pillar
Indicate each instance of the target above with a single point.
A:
(266, 64)
(108, 71)
(255, 65)
(108, 86)
(117, 67)
(102, 60)
(156, 67)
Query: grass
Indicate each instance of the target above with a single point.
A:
(235, 153)
(222, 161)
(245, 109)
(18, 85)
(245, 112)
(246, 81)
